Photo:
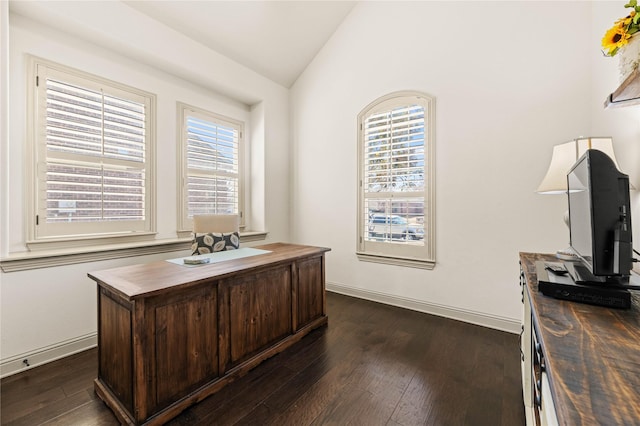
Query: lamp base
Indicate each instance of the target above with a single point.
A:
(567, 254)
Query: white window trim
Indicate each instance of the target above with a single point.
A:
(34, 151)
(185, 224)
(422, 257)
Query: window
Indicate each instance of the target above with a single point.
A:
(211, 152)
(395, 180)
(93, 156)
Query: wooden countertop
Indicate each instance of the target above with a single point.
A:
(592, 355)
(153, 278)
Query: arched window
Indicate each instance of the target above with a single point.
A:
(395, 180)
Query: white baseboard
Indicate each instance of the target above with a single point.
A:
(490, 321)
(47, 354)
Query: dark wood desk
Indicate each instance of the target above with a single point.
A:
(591, 356)
(171, 335)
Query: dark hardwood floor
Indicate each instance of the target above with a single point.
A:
(373, 365)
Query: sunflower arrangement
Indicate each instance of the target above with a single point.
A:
(619, 35)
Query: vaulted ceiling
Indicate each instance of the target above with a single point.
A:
(277, 39)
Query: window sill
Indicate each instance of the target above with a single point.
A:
(398, 261)
(24, 261)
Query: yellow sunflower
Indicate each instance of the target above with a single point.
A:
(623, 22)
(614, 39)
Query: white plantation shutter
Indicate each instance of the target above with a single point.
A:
(212, 164)
(395, 174)
(394, 150)
(394, 164)
(92, 156)
(77, 193)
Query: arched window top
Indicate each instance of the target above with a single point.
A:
(396, 100)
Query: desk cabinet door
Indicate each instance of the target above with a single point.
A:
(310, 290)
(185, 343)
(259, 307)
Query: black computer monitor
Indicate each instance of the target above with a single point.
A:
(600, 219)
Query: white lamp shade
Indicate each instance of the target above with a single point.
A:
(564, 157)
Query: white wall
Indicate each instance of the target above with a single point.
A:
(42, 309)
(510, 81)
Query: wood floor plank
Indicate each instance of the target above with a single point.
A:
(315, 398)
(22, 407)
(373, 364)
(358, 406)
(304, 382)
(419, 399)
(93, 413)
(260, 415)
(53, 410)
